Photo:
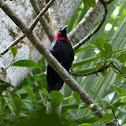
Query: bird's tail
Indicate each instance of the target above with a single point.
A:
(59, 85)
(56, 87)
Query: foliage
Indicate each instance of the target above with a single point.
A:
(27, 103)
(90, 3)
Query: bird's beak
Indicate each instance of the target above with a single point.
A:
(64, 28)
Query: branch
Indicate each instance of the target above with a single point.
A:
(13, 43)
(84, 40)
(43, 21)
(70, 81)
(40, 14)
(93, 72)
(86, 24)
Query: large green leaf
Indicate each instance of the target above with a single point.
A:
(25, 63)
(86, 70)
(87, 60)
(56, 98)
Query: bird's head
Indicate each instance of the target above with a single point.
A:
(61, 35)
(63, 30)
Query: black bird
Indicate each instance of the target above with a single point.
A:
(62, 50)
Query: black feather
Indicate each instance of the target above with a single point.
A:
(64, 53)
(62, 50)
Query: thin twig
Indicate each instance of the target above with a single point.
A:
(84, 40)
(13, 43)
(43, 21)
(40, 14)
(115, 117)
(118, 70)
(93, 72)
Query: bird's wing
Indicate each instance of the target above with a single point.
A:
(52, 46)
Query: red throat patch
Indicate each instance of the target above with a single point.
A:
(61, 36)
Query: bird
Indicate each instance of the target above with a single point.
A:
(62, 50)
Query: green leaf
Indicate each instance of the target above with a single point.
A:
(119, 103)
(76, 97)
(118, 76)
(56, 98)
(87, 60)
(70, 106)
(25, 63)
(38, 77)
(16, 101)
(99, 43)
(13, 50)
(69, 97)
(2, 102)
(3, 86)
(83, 49)
(123, 69)
(5, 83)
(123, 98)
(29, 105)
(86, 70)
(106, 117)
(42, 64)
(99, 65)
(104, 72)
(45, 92)
(116, 62)
(122, 56)
(90, 120)
(107, 50)
(90, 3)
(120, 91)
(30, 92)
